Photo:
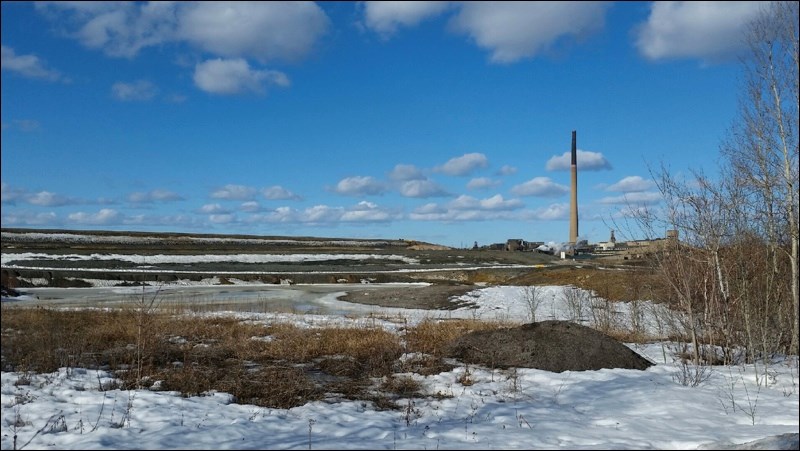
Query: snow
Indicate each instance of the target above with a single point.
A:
(207, 258)
(503, 409)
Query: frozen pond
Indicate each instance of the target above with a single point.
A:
(262, 298)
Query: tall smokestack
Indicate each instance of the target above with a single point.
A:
(573, 202)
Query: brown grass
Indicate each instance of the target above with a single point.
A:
(432, 336)
(277, 365)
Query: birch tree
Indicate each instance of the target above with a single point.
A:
(762, 149)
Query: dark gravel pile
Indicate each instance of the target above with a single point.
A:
(548, 345)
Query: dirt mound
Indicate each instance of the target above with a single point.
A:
(548, 345)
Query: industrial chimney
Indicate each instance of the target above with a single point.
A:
(573, 203)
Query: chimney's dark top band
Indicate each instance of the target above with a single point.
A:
(574, 150)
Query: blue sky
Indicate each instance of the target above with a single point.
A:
(445, 122)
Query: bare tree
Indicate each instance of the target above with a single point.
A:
(533, 297)
(762, 149)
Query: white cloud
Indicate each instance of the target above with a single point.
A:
(159, 195)
(495, 202)
(467, 208)
(29, 66)
(260, 30)
(403, 172)
(710, 31)
(551, 212)
(586, 161)
(139, 90)
(278, 192)
(637, 198)
(384, 17)
(119, 29)
(225, 218)
(422, 189)
(322, 214)
(48, 199)
(213, 209)
(29, 219)
(234, 76)
(507, 170)
(430, 208)
(359, 186)
(464, 165)
(632, 183)
(540, 187)
(234, 192)
(250, 206)
(515, 30)
(482, 183)
(105, 216)
(366, 212)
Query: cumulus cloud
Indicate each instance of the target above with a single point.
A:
(250, 206)
(26, 218)
(235, 76)
(403, 172)
(635, 198)
(515, 30)
(105, 216)
(540, 187)
(551, 212)
(327, 215)
(464, 165)
(223, 218)
(479, 183)
(139, 90)
(366, 212)
(234, 192)
(29, 66)
(260, 30)
(359, 186)
(211, 209)
(422, 189)
(278, 192)
(385, 17)
(495, 202)
(466, 208)
(630, 184)
(587, 161)
(157, 195)
(710, 31)
(48, 199)
(507, 170)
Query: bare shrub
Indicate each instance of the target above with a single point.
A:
(402, 385)
(603, 317)
(575, 300)
(533, 297)
(690, 374)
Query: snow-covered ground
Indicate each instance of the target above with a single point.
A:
(503, 409)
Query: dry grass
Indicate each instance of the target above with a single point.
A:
(432, 336)
(277, 365)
